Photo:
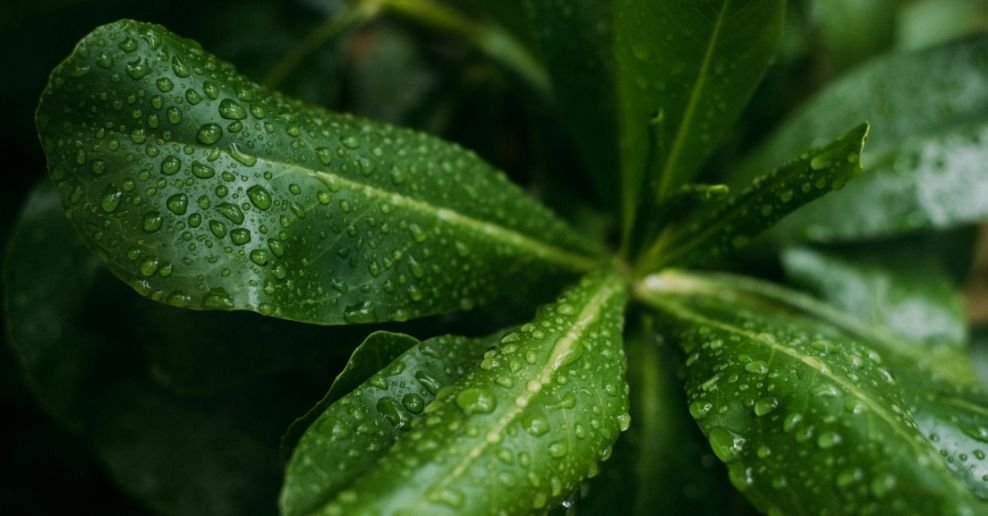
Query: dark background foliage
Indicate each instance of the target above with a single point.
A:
(392, 70)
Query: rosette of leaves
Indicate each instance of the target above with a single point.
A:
(203, 190)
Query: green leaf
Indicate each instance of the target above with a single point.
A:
(854, 30)
(353, 430)
(923, 161)
(911, 295)
(375, 352)
(688, 200)
(203, 190)
(616, 64)
(947, 363)
(806, 417)
(712, 234)
(518, 432)
(658, 465)
(83, 343)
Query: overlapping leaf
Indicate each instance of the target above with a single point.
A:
(616, 64)
(924, 161)
(772, 388)
(354, 428)
(515, 434)
(202, 190)
(712, 234)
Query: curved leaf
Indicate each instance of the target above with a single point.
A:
(696, 63)
(712, 234)
(910, 295)
(353, 430)
(82, 340)
(923, 160)
(203, 190)
(805, 417)
(518, 432)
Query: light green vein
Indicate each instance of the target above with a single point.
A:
(689, 113)
(561, 351)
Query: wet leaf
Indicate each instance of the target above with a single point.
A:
(518, 432)
(713, 234)
(923, 161)
(352, 429)
(695, 63)
(202, 190)
(807, 417)
(911, 295)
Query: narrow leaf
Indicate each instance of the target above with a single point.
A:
(519, 432)
(698, 72)
(689, 200)
(712, 235)
(352, 431)
(911, 295)
(203, 190)
(924, 160)
(805, 417)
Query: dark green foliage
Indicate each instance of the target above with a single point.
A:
(354, 314)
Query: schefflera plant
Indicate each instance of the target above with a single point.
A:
(203, 190)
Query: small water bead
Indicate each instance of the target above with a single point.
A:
(178, 203)
(350, 141)
(165, 84)
(137, 69)
(217, 228)
(475, 400)
(170, 165)
(218, 299)
(756, 367)
(828, 440)
(260, 257)
(192, 96)
(111, 199)
(360, 313)
(240, 236)
(765, 405)
(152, 221)
(231, 110)
(209, 134)
(259, 197)
(725, 443)
(413, 402)
(210, 90)
(231, 211)
(148, 267)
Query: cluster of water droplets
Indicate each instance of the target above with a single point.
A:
(773, 392)
(208, 191)
(521, 429)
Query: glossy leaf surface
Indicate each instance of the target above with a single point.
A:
(355, 429)
(712, 234)
(203, 190)
(518, 432)
(924, 161)
(616, 64)
(908, 294)
(771, 389)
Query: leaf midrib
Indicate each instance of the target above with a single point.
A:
(875, 407)
(588, 315)
(688, 114)
(549, 253)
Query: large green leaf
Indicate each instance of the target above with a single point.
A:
(352, 430)
(83, 342)
(910, 295)
(203, 190)
(923, 160)
(713, 233)
(520, 430)
(808, 418)
(616, 64)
